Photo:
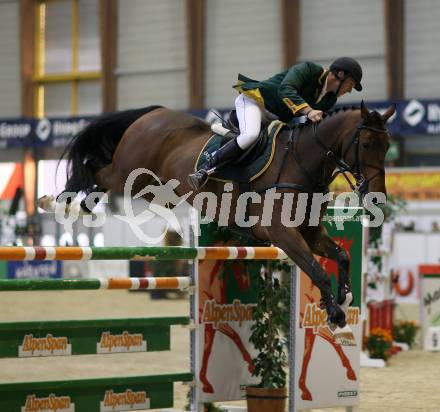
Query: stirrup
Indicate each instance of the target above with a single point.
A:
(197, 179)
(218, 128)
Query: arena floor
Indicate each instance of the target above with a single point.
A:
(411, 382)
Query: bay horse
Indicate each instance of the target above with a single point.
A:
(168, 142)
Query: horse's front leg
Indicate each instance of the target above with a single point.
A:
(293, 243)
(323, 245)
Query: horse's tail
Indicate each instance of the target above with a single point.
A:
(92, 149)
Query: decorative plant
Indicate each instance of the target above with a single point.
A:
(391, 210)
(207, 406)
(267, 332)
(379, 343)
(405, 331)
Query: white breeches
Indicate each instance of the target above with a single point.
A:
(249, 116)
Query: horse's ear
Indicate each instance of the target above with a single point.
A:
(388, 113)
(364, 111)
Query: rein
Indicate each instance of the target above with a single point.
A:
(361, 183)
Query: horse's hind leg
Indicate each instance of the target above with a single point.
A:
(323, 245)
(294, 244)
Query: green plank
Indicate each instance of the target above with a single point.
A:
(156, 252)
(81, 337)
(92, 395)
(9, 285)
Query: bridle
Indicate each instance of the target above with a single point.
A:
(361, 183)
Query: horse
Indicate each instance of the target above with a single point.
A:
(168, 143)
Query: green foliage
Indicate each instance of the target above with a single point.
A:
(210, 407)
(405, 331)
(267, 332)
(207, 407)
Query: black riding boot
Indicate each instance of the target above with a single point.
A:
(225, 154)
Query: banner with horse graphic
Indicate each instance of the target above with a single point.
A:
(227, 294)
(327, 374)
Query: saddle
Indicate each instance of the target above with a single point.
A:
(230, 123)
(253, 162)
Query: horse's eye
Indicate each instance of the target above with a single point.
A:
(366, 145)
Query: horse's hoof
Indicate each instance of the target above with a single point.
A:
(336, 316)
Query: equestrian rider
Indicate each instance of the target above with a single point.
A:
(305, 89)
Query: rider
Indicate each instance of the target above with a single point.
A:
(305, 89)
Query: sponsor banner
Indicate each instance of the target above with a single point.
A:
(123, 343)
(57, 132)
(227, 295)
(405, 285)
(49, 404)
(125, 401)
(26, 132)
(34, 269)
(412, 117)
(409, 184)
(16, 132)
(419, 117)
(430, 300)
(46, 346)
(327, 374)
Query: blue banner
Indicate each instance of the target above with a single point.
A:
(34, 269)
(412, 117)
(57, 132)
(419, 117)
(16, 133)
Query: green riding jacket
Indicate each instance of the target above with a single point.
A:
(286, 93)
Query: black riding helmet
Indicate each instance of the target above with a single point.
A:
(349, 66)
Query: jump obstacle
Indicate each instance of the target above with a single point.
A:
(141, 253)
(102, 336)
(114, 335)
